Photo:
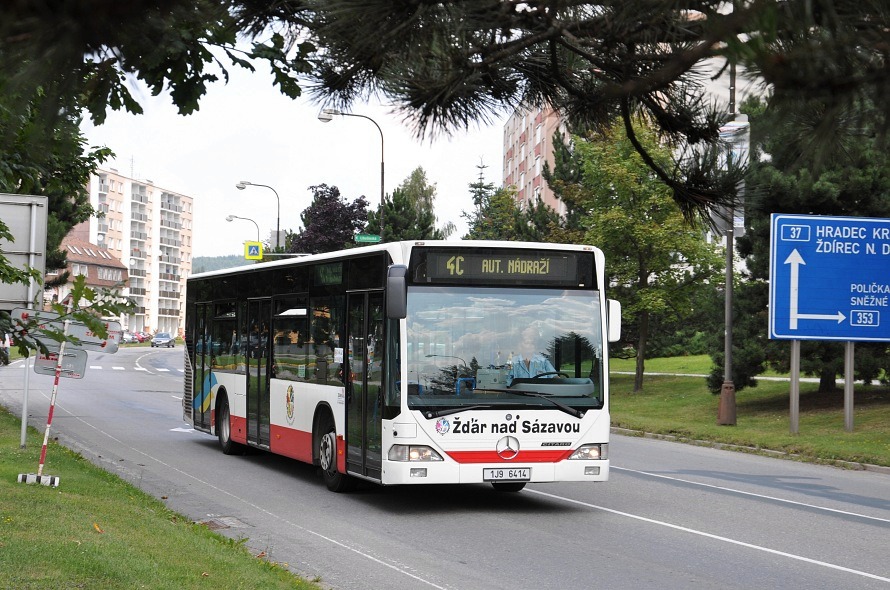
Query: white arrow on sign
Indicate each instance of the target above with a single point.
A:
(796, 260)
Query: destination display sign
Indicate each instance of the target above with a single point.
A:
(829, 278)
(522, 267)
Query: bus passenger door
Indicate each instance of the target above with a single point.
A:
(259, 316)
(202, 376)
(364, 384)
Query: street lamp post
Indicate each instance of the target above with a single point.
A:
(326, 115)
(233, 217)
(244, 184)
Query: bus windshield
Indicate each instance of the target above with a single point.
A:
(503, 348)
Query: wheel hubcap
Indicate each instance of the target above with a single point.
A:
(326, 451)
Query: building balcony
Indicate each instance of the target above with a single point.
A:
(137, 291)
(171, 224)
(169, 277)
(171, 242)
(168, 312)
(136, 272)
(170, 259)
(103, 187)
(167, 206)
(168, 295)
(137, 253)
(139, 216)
(137, 198)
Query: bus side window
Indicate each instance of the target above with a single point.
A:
(325, 327)
(290, 335)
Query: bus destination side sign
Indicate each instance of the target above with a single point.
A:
(829, 278)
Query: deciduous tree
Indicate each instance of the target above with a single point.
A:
(654, 262)
(329, 222)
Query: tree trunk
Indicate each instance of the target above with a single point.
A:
(827, 381)
(641, 350)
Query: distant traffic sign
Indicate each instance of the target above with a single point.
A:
(88, 339)
(253, 250)
(829, 278)
(367, 239)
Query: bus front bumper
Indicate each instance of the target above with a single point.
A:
(445, 472)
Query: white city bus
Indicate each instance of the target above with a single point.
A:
(410, 362)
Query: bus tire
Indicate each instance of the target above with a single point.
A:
(508, 486)
(224, 427)
(326, 449)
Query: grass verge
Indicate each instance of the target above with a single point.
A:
(97, 531)
(683, 407)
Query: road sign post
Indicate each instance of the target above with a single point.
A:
(829, 280)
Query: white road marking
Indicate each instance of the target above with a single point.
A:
(715, 537)
(755, 495)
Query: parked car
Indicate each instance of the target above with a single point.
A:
(163, 339)
(141, 336)
(128, 337)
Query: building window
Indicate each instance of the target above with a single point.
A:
(110, 274)
(80, 269)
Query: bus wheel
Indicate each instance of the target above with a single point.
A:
(508, 486)
(327, 457)
(224, 428)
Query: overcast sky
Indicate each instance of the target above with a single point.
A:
(248, 130)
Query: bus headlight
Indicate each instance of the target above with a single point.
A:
(591, 452)
(413, 453)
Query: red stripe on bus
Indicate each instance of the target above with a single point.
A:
(341, 454)
(522, 457)
(239, 429)
(290, 442)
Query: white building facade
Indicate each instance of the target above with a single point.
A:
(149, 229)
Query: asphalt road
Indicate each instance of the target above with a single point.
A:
(672, 515)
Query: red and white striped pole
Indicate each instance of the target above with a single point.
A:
(50, 480)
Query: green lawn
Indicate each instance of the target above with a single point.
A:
(96, 531)
(683, 406)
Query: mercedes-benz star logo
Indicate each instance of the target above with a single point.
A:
(508, 448)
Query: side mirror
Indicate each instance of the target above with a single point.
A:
(397, 292)
(613, 320)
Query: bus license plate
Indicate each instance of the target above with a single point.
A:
(507, 474)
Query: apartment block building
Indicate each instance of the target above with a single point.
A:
(528, 144)
(149, 229)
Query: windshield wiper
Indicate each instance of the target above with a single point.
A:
(454, 410)
(546, 396)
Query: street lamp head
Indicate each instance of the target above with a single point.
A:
(242, 185)
(230, 217)
(326, 115)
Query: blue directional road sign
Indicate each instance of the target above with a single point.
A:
(829, 278)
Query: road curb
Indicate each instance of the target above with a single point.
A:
(754, 450)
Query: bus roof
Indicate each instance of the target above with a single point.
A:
(399, 251)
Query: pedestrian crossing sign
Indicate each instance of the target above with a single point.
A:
(253, 250)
